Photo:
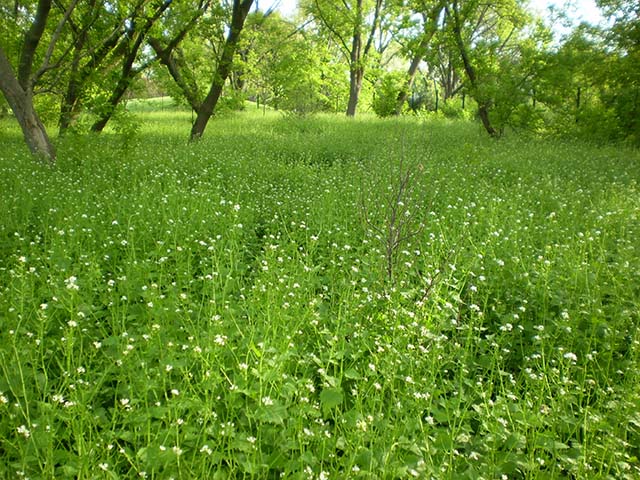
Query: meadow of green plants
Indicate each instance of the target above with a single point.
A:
(318, 298)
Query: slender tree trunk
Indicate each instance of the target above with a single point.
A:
(411, 76)
(114, 100)
(483, 103)
(187, 85)
(129, 71)
(240, 11)
(430, 20)
(356, 69)
(21, 103)
(71, 96)
(18, 89)
(483, 113)
(171, 57)
(355, 86)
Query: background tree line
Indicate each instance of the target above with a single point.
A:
(71, 63)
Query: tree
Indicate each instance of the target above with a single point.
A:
(127, 51)
(428, 15)
(181, 45)
(354, 25)
(290, 68)
(18, 87)
(622, 92)
(238, 16)
(483, 34)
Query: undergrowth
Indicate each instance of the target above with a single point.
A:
(222, 309)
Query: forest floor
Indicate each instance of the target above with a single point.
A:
(318, 298)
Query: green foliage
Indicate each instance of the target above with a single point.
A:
(221, 309)
(385, 99)
(453, 108)
(289, 70)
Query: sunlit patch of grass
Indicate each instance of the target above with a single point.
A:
(222, 309)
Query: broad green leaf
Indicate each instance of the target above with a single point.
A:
(331, 397)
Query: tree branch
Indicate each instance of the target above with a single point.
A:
(52, 43)
(31, 41)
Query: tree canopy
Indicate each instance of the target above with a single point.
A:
(73, 64)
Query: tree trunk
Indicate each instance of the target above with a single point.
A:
(356, 69)
(411, 76)
(483, 103)
(355, 85)
(71, 96)
(240, 11)
(430, 27)
(130, 49)
(173, 62)
(113, 102)
(483, 113)
(21, 103)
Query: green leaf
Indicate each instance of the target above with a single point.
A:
(352, 374)
(331, 397)
(275, 414)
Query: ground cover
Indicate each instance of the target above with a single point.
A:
(318, 298)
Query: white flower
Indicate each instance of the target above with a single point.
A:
(71, 283)
(571, 356)
(24, 431)
(267, 401)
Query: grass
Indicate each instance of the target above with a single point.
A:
(224, 309)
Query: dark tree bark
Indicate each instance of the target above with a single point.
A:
(239, 14)
(94, 55)
(18, 90)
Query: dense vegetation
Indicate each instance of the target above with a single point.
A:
(318, 298)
